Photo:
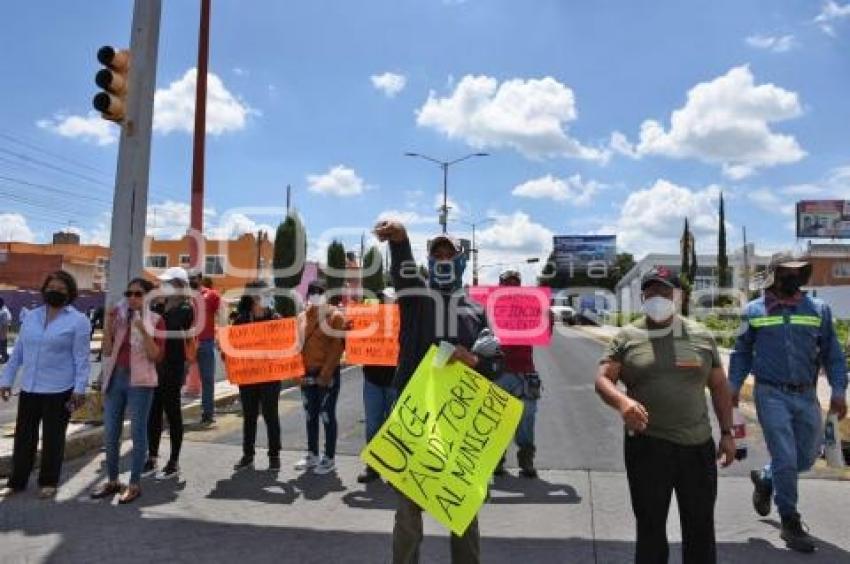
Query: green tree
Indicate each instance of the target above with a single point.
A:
(685, 270)
(335, 266)
(373, 271)
(290, 252)
(723, 274)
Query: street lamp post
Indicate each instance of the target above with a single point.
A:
(474, 249)
(444, 209)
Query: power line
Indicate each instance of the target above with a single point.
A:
(53, 189)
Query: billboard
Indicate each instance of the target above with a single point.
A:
(827, 219)
(580, 250)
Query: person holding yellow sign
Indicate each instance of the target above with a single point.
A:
(430, 313)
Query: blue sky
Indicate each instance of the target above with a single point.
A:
(602, 117)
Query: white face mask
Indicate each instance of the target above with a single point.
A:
(659, 309)
(316, 299)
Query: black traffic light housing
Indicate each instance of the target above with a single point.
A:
(114, 80)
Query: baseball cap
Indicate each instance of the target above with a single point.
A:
(174, 273)
(444, 238)
(660, 275)
(508, 274)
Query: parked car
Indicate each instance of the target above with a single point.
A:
(562, 310)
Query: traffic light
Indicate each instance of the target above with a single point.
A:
(114, 80)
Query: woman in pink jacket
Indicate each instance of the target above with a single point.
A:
(129, 379)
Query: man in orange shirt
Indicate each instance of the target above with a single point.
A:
(210, 302)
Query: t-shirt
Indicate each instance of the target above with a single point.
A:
(668, 373)
(211, 301)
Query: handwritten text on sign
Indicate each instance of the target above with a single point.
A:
(519, 314)
(373, 337)
(261, 352)
(441, 443)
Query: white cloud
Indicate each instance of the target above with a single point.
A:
(767, 200)
(406, 217)
(574, 189)
(174, 106)
(509, 243)
(389, 83)
(170, 220)
(727, 122)
(651, 220)
(830, 13)
(14, 227)
(338, 181)
(774, 43)
(91, 127)
(239, 71)
(233, 225)
(529, 116)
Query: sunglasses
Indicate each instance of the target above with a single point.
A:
(136, 294)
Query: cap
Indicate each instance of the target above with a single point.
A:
(444, 238)
(787, 260)
(174, 273)
(194, 273)
(508, 274)
(317, 285)
(660, 275)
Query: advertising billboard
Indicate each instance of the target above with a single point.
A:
(823, 219)
(580, 250)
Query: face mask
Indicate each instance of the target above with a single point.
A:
(789, 285)
(659, 309)
(446, 274)
(316, 299)
(267, 302)
(55, 299)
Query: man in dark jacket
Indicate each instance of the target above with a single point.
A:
(430, 312)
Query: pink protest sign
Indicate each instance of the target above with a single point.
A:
(519, 314)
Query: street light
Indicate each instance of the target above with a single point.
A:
(444, 209)
(474, 249)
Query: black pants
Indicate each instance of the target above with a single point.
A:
(256, 397)
(166, 398)
(656, 468)
(320, 404)
(4, 352)
(49, 411)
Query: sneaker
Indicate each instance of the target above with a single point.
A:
(308, 462)
(207, 420)
(47, 492)
(795, 535)
(8, 492)
(274, 463)
(171, 470)
(244, 462)
(149, 469)
(325, 466)
(368, 475)
(762, 492)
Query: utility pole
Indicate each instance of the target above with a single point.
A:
(746, 264)
(198, 144)
(260, 236)
(130, 203)
(474, 258)
(288, 198)
(444, 213)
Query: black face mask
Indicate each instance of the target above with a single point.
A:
(54, 298)
(789, 285)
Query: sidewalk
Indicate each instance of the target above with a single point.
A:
(211, 514)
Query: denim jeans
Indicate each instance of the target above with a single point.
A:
(514, 384)
(119, 396)
(792, 430)
(206, 366)
(320, 404)
(378, 402)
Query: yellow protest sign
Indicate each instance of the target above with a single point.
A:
(443, 439)
(261, 352)
(373, 337)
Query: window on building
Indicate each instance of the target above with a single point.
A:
(841, 270)
(214, 265)
(156, 261)
(184, 260)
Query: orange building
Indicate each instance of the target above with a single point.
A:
(24, 265)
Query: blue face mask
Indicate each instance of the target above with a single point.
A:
(446, 274)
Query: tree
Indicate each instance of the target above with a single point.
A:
(686, 272)
(373, 271)
(290, 252)
(335, 272)
(723, 274)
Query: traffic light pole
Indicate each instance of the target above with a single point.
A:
(130, 203)
(199, 138)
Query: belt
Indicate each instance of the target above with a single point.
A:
(787, 388)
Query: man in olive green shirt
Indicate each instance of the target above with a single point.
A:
(666, 362)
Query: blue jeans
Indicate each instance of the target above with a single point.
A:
(378, 402)
(792, 430)
(119, 396)
(320, 404)
(514, 384)
(206, 366)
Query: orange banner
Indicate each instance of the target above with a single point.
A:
(261, 352)
(373, 337)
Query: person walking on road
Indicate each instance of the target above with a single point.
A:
(789, 337)
(378, 398)
(521, 380)
(209, 303)
(323, 327)
(5, 323)
(129, 380)
(178, 314)
(464, 325)
(666, 362)
(52, 350)
(254, 307)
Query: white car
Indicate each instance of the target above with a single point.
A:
(562, 311)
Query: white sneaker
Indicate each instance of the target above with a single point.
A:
(309, 461)
(325, 466)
